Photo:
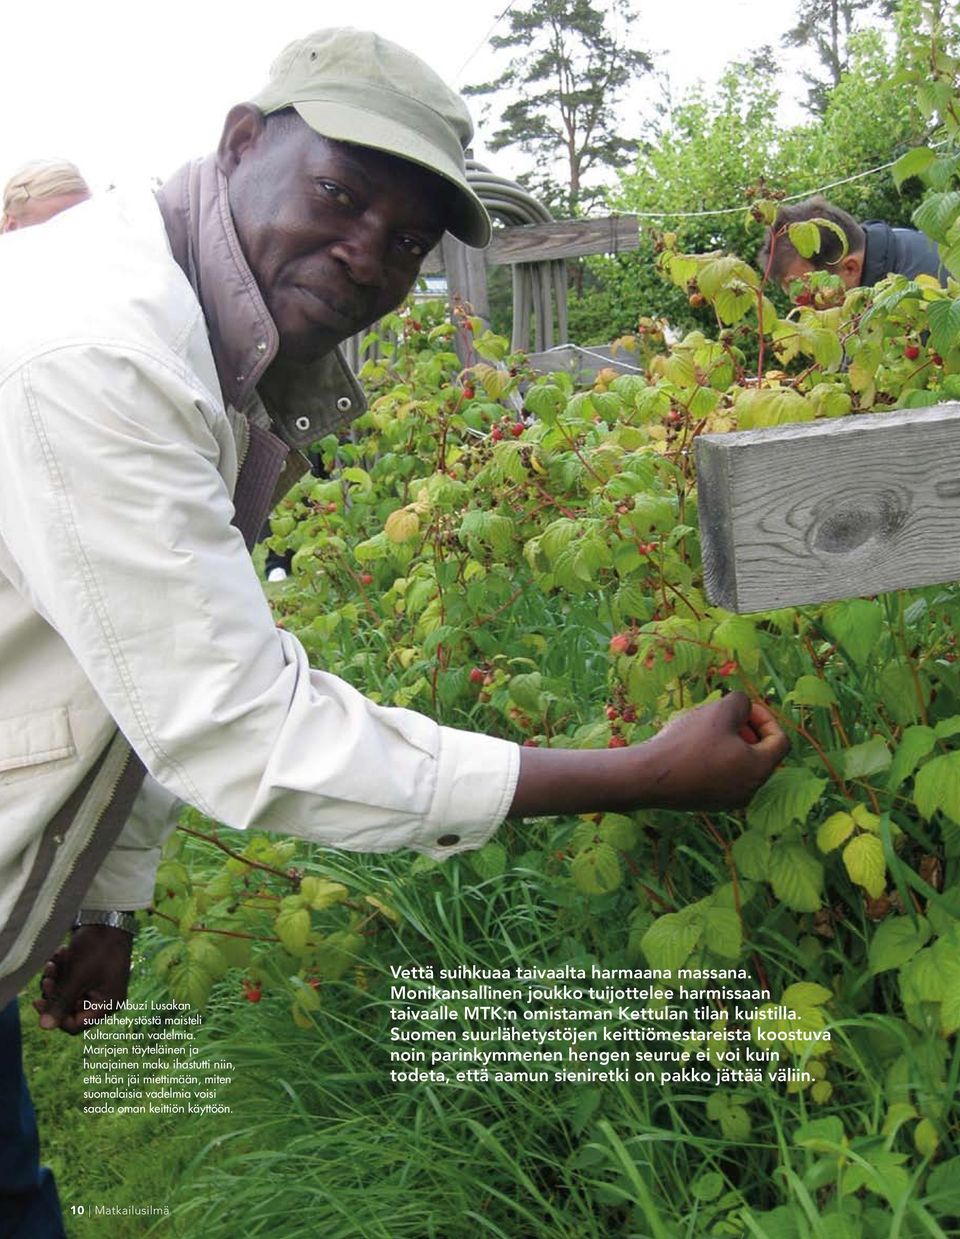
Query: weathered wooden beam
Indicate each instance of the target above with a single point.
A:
(830, 509)
(565, 238)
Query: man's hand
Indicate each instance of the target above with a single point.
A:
(93, 967)
(713, 757)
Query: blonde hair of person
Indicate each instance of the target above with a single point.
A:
(39, 190)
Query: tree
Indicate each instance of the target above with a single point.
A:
(715, 144)
(825, 26)
(572, 66)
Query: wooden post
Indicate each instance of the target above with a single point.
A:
(466, 287)
(830, 509)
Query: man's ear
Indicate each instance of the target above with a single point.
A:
(242, 129)
(851, 269)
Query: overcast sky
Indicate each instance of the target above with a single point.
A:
(130, 91)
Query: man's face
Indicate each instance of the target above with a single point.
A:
(849, 269)
(334, 234)
(39, 210)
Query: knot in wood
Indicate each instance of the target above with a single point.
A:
(843, 526)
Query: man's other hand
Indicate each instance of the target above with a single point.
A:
(85, 979)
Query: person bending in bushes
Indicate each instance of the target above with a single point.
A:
(867, 253)
(40, 190)
(163, 358)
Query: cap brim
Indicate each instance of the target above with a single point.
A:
(469, 221)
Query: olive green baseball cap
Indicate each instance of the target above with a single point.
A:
(354, 86)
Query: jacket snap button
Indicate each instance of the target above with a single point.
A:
(302, 423)
(261, 346)
(447, 841)
(344, 403)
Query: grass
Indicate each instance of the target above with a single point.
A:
(321, 1142)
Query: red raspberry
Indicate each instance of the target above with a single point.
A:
(476, 676)
(616, 742)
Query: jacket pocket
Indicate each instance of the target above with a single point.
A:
(34, 739)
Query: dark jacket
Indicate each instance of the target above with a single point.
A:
(897, 251)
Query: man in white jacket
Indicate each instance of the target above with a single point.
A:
(160, 363)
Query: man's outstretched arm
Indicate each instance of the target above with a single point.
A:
(699, 761)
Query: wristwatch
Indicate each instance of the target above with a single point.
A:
(115, 920)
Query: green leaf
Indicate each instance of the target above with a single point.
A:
(733, 1118)
(619, 831)
(402, 525)
(322, 893)
(926, 1138)
(596, 870)
(707, 1186)
(866, 820)
(913, 163)
(828, 400)
(490, 861)
(805, 994)
(950, 1011)
(669, 941)
(189, 982)
(207, 955)
(337, 952)
(526, 692)
(936, 213)
(831, 833)
(922, 979)
(751, 855)
(915, 743)
(805, 238)
(855, 624)
(722, 932)
(820, 1135)
(944, 320)
(810, 690)
(937, 786)
(293, 928)
(796, 876)
(897, 685)
(737, 634)
(864, 861)
(867, 758)
(770, 406)
(734, 303)
(897, 939)
(722, 272)
(825, 346)
(787, 796)
(943, 1187)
